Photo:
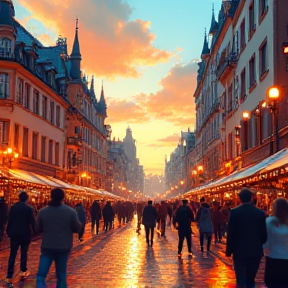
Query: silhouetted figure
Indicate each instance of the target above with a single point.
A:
(3, 216)
(82, 218)
(182, 222)
(95, 212)
(149, 221)
(108, 216)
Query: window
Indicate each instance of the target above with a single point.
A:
(16, 137)
(242, 35)
(230, 98)
(243, 85)
(263, 7)
(58, 116)
(36, 101)
(252, 25)
(4, 132)
(34, 145)
(50, 152)
(52, 112)
(252, 71)
(4, 85)
(5, 47)
(19, 91)
(26, 100)
(43, 149)
(44, 107)
(263, 61)
(25, 142)
(57, 154)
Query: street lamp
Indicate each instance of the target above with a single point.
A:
(273, 95)
(8, 156)
(246, 116)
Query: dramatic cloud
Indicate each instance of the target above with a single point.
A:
(174, 103)
(171, 138)
(111, 45)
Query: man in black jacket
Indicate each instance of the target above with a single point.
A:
(21, 224)
(182, 222)
(245, 238)
(149, 221)
(96, 215)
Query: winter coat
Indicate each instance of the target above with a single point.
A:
(81, 213)
(217, 218)
(204, 219)
(162, 211)
(149, 216)
(184, 216)
(108, 213)
(95, 211)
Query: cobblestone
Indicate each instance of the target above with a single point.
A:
(121, 258)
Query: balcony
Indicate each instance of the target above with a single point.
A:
(74, 141)
(226, 67)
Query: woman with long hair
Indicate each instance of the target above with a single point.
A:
(276, 247)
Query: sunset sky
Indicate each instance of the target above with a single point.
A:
(146, 51)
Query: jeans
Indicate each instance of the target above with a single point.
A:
(218, 232)
(15, 242)
(46, 258)
(182, 234)
(209, 238)
(107, 225)
(81, 233)
(149, 228)
(245, 271)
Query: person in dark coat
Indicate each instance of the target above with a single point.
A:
(82, 218)
(149, 219)
(3, 216)
(182, 222)
(139, 209)
(121, 213)
(162, 216)
(21, 225)
(218, 219)
(246, 235)
(108, 215)
(95, 212)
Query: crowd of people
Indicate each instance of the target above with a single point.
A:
(248, 231)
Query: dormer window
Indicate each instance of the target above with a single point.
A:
(5, 47)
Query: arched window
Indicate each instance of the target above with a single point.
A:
(5, 47)
(4, 85)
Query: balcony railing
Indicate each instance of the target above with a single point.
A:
(229, 62)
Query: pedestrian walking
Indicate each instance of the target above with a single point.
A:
(162, 216)
(139, 209)
(95, 212)
(20, 227)
(57, 222)
(149, 221)
(246, 234)
(108, 216)
(82, 218)
(204, 221)
(276, 247)
(218, 220)
(3, 216)
(182, 222)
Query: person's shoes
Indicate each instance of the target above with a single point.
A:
(202, 249)
(24, 274)
(190, 254)
(8, 282)
(179, 255)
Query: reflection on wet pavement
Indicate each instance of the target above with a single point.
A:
(121, 258)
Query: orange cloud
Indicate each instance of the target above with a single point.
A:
(111, 45)
(174, 103)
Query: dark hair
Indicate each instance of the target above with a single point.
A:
(245, 195)
(202, 199)
(23, 196)
(280, 210)
(57, 195)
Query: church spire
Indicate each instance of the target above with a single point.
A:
(75, 57)
(205, 50)
(102, 107)
(214, 25)
(92, 90)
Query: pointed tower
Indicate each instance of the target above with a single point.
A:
(75, 57)
(129, 145)
(205, 50)
(7, 27)
(214, 24)
(102, 107)
(92, 91)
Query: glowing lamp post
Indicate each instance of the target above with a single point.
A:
(246, 116)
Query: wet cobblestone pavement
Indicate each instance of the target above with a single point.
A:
(121, 258)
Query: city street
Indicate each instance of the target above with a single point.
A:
(120, 258)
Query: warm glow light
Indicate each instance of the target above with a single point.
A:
(9, 150)
(246, 115)
(273, 93)
(181, 182)
(264, 104)
(194, 172)
(16, 155)
(83, 175)
(200, 168)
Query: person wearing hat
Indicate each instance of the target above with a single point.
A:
(57, 222)
(182, 222)
(149, 219)
(246, 235)
(21, 222)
